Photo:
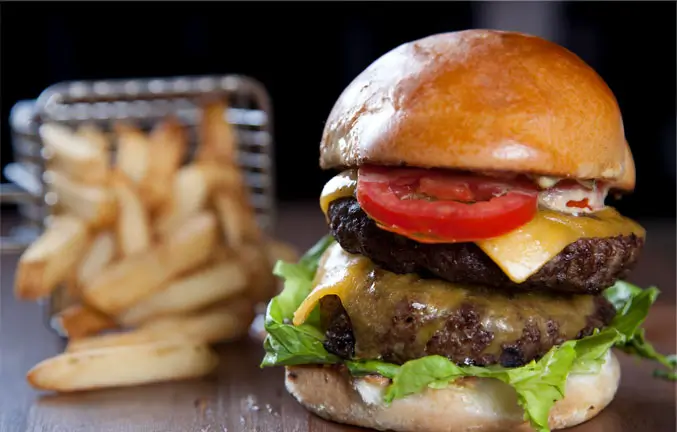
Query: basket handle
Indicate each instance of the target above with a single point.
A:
(9, 192)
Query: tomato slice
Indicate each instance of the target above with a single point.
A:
(435, 206)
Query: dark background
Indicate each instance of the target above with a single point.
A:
(306, 53)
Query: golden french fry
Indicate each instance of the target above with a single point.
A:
(133, 153)
(236, 218)
(168, 145)
(74, 154)
(94, 204)
(132, 225)
(135, 277)
(61, 298)
(121, 339)
(123, 366)
(70, 282)
(221, 322)
(222, 253)
(126, 282)
(217, 135)
(224, 321)
(278, 250)
(193, 184)
(191, 245)
(100, 253)
(96, 137)
(78, 321)
(51, 258)
(214, 283)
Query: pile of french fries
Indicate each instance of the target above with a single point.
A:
(155, 246)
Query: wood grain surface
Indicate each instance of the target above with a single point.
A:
(243, 397)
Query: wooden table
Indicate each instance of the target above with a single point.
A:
(242, 397)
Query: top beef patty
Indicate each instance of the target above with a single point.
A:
(586, 266)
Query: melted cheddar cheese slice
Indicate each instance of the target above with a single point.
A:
(521, 252)
(345, 272)
(340, 186)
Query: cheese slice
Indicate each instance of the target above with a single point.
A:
(344, 273)
(340, 186)
(523, 251)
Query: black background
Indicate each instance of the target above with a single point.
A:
(306, 53)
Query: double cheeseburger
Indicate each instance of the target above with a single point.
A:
(471, 281)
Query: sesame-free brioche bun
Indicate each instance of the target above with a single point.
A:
(471, 404)
(481, 100)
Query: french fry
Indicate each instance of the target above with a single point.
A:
(78, 321)
(214, 283)
(135, 277)
(121, 339)
(225, 321)
(74, 154)
(126, 282)
(100, 253)
(192, 187)
(94, 204)
(51, 258)
(132, 225)
(94, 136)
(221, 322)
(236, 218)
(168, 145)
(191, 245)
(123, 366)
(218, 139)
(223, 253)
(70, 282)
(133, 151)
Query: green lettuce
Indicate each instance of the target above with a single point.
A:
(285, 343)
(622, 295)
(538, 384)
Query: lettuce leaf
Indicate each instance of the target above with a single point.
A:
(620, 293)
(625, 295)
(538, 384)
(286, 344)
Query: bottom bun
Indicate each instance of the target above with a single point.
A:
(470, 404)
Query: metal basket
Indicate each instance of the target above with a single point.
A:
(25, 188)
(143, 101)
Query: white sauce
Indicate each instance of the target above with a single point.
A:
(556, 199)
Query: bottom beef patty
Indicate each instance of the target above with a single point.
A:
(370, 313)
(472, 333)
(585, 266)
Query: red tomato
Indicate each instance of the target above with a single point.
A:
(433, 206)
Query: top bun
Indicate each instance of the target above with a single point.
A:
(481, 100)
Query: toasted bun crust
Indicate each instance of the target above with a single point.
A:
(481, 100)
(473, 404)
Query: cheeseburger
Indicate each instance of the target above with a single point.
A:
(472, 277)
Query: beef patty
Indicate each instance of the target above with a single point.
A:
(467, 335)
(588, 265)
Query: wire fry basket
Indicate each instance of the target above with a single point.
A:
(144, 102)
